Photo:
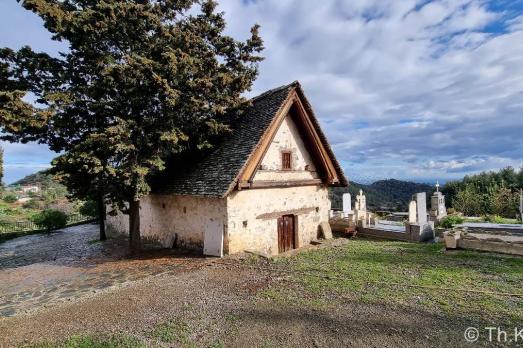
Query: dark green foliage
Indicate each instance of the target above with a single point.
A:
(10, 198)
(450, 221)
(89, 208)
(389, 194)
(141, 82)
(488, 193)
(50, 219)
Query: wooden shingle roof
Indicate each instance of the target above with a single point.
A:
(217, 174)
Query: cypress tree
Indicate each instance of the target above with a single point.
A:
(142, 81)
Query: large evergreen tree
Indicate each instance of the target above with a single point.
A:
(142, 81)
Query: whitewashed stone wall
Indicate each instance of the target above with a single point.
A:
(249, 230)
(286, 138)
(165, 219)
(249, 217)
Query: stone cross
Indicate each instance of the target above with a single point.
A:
(361, 203)
(437, 185)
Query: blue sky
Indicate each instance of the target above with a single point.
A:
(418, 90)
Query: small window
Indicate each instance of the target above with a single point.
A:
(286, 160)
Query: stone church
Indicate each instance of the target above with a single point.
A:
(263, 189)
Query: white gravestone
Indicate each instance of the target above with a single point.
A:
(412, 212)
(421, 207)
(347, 206)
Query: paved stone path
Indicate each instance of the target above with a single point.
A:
(40, 270)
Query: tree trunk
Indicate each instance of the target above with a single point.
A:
(101, 218)
(134, 226)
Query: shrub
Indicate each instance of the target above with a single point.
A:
(50, 219)
(496, 219)
(450, 221)
(10, 198)
(32, 204)
(89, 208)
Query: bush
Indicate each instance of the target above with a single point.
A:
(496, 219)
(50, 219)
(32, 204)
(10, 198)
(450, 221)
(89, 208)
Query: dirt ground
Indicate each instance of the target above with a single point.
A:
(205, 303)
(220, 303)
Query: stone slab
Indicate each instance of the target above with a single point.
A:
(325, 230)
(213, 239)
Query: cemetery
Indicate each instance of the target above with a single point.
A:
(423, 225)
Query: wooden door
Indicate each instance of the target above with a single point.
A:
(286, 233)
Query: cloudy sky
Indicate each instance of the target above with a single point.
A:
(418, 90)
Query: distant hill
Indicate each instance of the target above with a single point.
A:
(41, 178)
(388, 194)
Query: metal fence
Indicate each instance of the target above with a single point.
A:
(27, 226)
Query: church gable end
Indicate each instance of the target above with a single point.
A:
(287, 158)
(292, 152)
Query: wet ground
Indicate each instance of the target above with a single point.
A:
(41, 270)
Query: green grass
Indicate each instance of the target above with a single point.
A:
(493, 219)
(94, 241)
(10, 212)
(174, 331)
(384, 271)
(94, 341)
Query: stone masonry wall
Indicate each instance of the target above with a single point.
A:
(168, 219)
(287, 138)
(251, 227)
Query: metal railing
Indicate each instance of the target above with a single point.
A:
(27, 226)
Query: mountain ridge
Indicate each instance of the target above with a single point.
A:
(388, 194)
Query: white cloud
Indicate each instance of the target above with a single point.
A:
(407, 89)
(398, 84)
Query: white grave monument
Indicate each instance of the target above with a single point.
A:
(413, 214)
(421, 207)
(419, 228)
(360, 210)
(361, 202)
(347, 205)
(437, 205)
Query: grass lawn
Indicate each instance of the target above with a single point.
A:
(12, 212)
(473, 286)
(408, 274)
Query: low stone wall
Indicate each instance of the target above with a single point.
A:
(491, 246)
(495, 230)
(383, 234)
(496, 243)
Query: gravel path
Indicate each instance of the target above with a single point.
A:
(40, 270)
(77, 288)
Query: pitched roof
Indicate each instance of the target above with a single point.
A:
(216, 174)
